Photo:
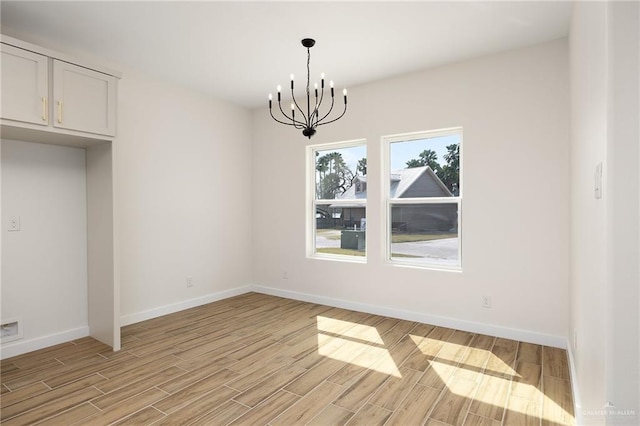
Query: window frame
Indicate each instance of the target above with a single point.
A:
(389, 202)
(312, 202)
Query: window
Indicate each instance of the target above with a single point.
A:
(360, 184)
(337, 173)
(424, 198)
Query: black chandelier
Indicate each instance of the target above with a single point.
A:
(312, 118)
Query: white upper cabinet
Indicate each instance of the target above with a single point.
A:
(48, 96)
(84, 100)
(24, 86)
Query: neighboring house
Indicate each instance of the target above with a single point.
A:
(415, 182)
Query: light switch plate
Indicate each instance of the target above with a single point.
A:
(597, 192)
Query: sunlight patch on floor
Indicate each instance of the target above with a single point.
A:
(555, 413)
(434, 347)
(545, 407)
(345, 341)
(349, 329)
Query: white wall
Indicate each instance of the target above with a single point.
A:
(103, 291)
(623, 211)
(182, 193)
(588, 251)
(605, 43)
(515, 238)
(44, 273)
(182, 196)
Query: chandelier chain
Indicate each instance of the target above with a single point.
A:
(308, 76)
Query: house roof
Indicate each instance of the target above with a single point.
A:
(407, 177)
(401, 181)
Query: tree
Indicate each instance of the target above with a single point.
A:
(362, 166)
(428, 157)
(333, 176)
(450, 175)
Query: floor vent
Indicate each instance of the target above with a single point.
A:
(10, 329)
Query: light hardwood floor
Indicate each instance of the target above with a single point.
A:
(257, 359)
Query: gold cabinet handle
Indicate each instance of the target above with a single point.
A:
(44, 109)
(60, 112)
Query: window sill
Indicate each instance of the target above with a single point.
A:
(338, 258)
(424, 265)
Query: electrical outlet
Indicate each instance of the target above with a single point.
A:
(189, 282)
(14, 223)
(486, 302)
(285, 275)
(10, 329)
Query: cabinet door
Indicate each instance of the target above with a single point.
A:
(84, 100)
(24, 85)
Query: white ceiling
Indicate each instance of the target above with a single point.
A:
(240, 51)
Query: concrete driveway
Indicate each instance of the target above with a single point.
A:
(328, 238)
(444, 251)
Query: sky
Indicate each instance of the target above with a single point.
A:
(401, 152)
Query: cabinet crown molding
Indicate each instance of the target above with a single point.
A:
(5, 39)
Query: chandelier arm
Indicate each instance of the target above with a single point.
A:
(313, 119)
(279, 121)
(299, 109)
(285, 115)
(317, 111)
(293, 120)
(335, 119)
(319, 121)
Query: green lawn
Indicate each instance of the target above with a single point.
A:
(411, 238)
(334, 234)
(344, 252)
(347, 252)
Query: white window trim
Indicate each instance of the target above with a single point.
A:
(387, 201)
(312, 202)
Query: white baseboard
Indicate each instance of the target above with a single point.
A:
(180, 306)
(14, 348)
(470, 326)
(573, 375)
(20, 347)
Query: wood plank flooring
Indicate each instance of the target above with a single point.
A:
(257, 359)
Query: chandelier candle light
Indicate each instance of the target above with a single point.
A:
(312, 118)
